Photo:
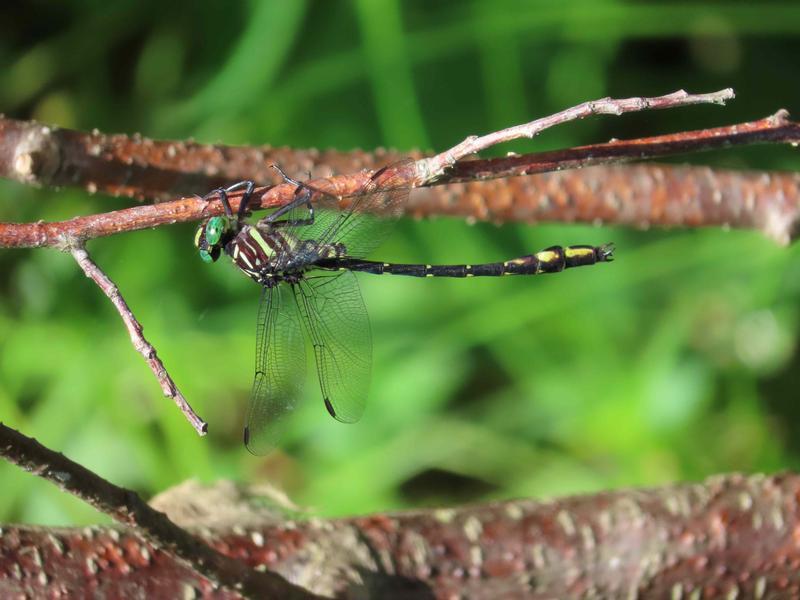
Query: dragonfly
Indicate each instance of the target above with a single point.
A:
(304, 255)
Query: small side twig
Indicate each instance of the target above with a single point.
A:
(776, 128)
(432, 168)
(138, 340)
(126, 507)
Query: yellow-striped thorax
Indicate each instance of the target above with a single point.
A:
(267, 255)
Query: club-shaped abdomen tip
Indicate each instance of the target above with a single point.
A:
(607, 252)
(329, 406)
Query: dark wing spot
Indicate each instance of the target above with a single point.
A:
(329, 406)
(246, 436)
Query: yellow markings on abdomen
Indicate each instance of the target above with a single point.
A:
(514, 261)
(427, 271)
(547, 256)
(570, 252)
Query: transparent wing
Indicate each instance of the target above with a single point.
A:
(368, 219)
(338, 326)
(280, 369)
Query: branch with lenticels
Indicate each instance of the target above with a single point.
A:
(731, 536)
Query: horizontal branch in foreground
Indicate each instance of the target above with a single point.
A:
(642, 196)
(126, 507)
(732, 536)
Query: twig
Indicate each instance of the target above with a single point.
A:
(731, 536)
(432, 168)
(775, 128)
(126, 507)
(142, 346)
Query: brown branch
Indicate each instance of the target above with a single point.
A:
(127, 508)
(731, 536)
(141, 345)
(641, 196)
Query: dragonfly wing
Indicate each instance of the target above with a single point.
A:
(370, 216)
(280, 369)
(338, 326)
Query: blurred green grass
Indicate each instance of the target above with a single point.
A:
(676, 361)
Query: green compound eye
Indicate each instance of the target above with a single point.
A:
(214, 229)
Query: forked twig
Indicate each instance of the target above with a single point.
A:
(126, 507)
(138, 340)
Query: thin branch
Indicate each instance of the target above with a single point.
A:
(126, 507)
(142, 346)
(432, 168)
(775, 128)
(731, 536)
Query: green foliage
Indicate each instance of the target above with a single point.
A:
(676, 361)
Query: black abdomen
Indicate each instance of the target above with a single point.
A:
(550, 260)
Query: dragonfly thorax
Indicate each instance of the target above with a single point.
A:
(272, 255)
(263, 256)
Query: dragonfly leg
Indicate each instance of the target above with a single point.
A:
(303, 196)
(245, 201)
(286, 178)
(223, 197)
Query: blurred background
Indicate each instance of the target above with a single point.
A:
(677, 361)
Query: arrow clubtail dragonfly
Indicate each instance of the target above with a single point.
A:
(303, 255)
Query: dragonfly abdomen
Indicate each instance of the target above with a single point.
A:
(550, 260)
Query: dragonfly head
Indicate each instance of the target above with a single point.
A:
(211, 236)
